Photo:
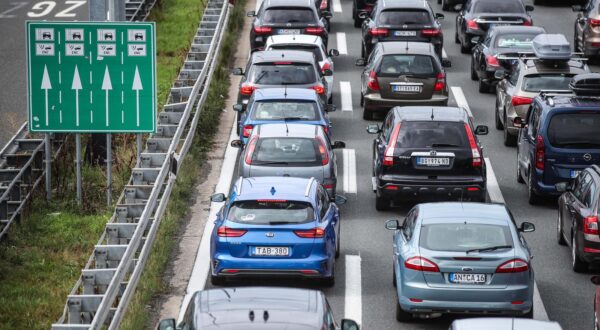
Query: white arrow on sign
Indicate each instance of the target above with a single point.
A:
(106, 86)
(77, 87)
(137, 87)
(46, 85)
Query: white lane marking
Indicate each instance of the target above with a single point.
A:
(460, 99)
(444, 54)
(346, 93)
(337, 6)
(341, 43)
(349, 171)
(495, 194)
(353, 298)
(202, 263)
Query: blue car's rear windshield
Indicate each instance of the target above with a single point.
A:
(460, 237)
(575, 130)
(270, 211)
(282, 110)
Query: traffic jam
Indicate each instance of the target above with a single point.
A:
(375, 140)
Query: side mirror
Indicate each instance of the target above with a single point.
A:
(529, 8)
(330, 108)
(363, 15)
(338, 145)
(166, 324)
(237, 143)
(458, 7)
(326, 14)
(481, 130)
(562, 186)
(577, 8)
(446, 63)
(439, 16)
(218, 198)
(238, 107)
(340, 200)
(595, 279)
(500, 74)
(327, 72)
(349, 325)
(518, 122)
(392, 225)
(251, 13)
(360, 62)
(373, 129)
(334, 52)
(527, 227)
(237, 72)
(475, 40)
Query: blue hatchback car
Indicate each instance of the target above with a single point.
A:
(558, 139)
(276, 226)
(279, 105)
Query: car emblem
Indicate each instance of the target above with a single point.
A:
(403, 77)
(587, 157)
(500, 19)
(269, 234)
(467, 269)
(433, 152)
(404, 26)
(288, 24)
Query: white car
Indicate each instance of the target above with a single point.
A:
(313, 44)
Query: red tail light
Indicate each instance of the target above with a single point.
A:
(474, 147)
(471, 24)
(320, 89)
(247, 130)
(323, 5)
(323, 151)
(250, 151)
(247, 89)
(378, 32)
(528, 22)
(325, 129)
(593, 22)
(263, 30)
(440, 82)
(388, 156)
(590, 225)
(314, 30)
(521, 100)
(326, 66)
(373, 83)
(230, 232)
(328, 186)
(316, 232)
(540, 151)
(513, 266)
(430, 32)
(272, 200)
(421, 264)
(491, 60)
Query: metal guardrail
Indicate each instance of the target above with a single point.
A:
(103, 291)
(138, 10)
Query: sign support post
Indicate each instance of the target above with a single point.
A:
(48, 161)
(78, 167)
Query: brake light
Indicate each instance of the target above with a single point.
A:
(247, 130)
(271, 200)
(328, 186)
(388, 157)
(593, 22)
(314, 30)
(326, 66)
(421, 264)
(440, 82)
(430, 32)
(323, 5)
(474, 147)
(590, 226)
(528, 22)
(471, 24)
(521, 100)
(325, 129)
(378, 32)
(282, 63)
(513, 266)
(320, 89)
(373, 82)
(316, 232)
(263, 30)
(247, 89)
(323, 151)
(539, 153)
(491, 60)
(250, 151)
(224, 231)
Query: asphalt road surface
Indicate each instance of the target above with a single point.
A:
(363, 289)
(13, 69)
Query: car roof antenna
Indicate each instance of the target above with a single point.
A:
(285, 91)
(407, 46)
(432, 117)
(265, 316)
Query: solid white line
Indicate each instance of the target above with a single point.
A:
(444, 54)
(460, 99)
(346, 91)
(353, 298)
(337, 6)
(342, 47)
(349, 171)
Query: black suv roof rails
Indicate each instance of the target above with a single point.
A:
(548, 94)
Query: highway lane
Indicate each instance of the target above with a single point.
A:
(13, 70)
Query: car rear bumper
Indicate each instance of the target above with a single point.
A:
(313, 266)
(472, 188)
(374, 102)
(547, 190)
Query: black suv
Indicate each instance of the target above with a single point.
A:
(578, 210)
(401, 20)
(427, 152)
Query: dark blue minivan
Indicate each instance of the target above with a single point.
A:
(559, 138)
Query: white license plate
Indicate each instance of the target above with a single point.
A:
(575, 173)
(467, 278)
(271, 251)
(407, 88)
(405, 33)
(289, 31)
(433, 161)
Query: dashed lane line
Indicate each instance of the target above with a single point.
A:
(460, 99)
(341, 43)
(346, 94)
(353, 297)
(349, 171)
(337, 6)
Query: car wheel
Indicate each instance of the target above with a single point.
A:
(329, 281)
(528, 315)
(362, 51)
(484, 87)
(217, 280)
(330, 99)
(401, 315)
(519, 176)
(464, 49)
(456, 39)
(445, 5)
(439, 2)
(578, 265)
(238, 118)
(532, 197)
(367, 115)
(497, 121)
(560, 237)
(474, 76)
(357, 22)
(382, 203)
(362, 99)
(509, 139)
(538, 2)
(337, 245)
(394, 278)
(596, 326)
(576, 42)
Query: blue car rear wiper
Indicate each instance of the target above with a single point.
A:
(489, 248)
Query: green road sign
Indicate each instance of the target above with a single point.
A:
(91, 77)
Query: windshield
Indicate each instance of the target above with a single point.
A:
(536, 83)
(422, 134)
(308, 48)
(287, 150)
(263, 212)
(289, 15)
(404, 17)
(500, 7)
(575, 130)
(461, 237)
(519, 41)
(281, 110)
(418, 65)
(282, 74)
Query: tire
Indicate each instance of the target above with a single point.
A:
(559, 236)
(394, 278)
(367, 115)
(464, 49)
(329, 281)
(357, 22)
(330, 99)
(528, 315)
(445, 5)
(484, 87)
(579, 266)
(456, 39)
(401, 315)
(509, 139)
(362, 99)
(382, 203)
(238, 118)
(217, 280)
(337, 245)
(532, 197)
(474, 76)
(439, 2)
(538, 2)
(362, 51)
(497, 121)
(519, 176)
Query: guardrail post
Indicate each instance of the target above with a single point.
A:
(138, 141)
(109, 169)
(48, 156)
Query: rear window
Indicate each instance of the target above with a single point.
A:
(289, 15)
(285, 110)
(286, 151)
(575, 130)
(536, 83)
(282, 74)
(261, 212)
(421, 134)
(404, 17)
(460, 237)
(419, 65)
(313, 49)
(519, 41)
(503, 7)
